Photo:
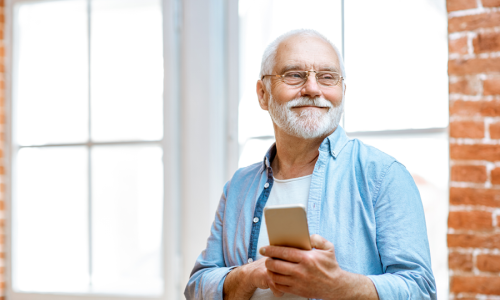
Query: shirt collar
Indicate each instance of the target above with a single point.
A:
(334, 143)
(271, 153)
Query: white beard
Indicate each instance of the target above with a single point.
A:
(310, 123)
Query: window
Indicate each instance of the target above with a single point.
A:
(109, 136)
(87, 136)
(397, 87)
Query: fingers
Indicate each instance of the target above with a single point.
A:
(280, 266)
(284, 253)
(276, 278)
(274, 289)
(319, 242)
(284, 289)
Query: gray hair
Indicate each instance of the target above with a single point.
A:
(269, 56)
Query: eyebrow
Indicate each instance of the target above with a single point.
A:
(287, 68)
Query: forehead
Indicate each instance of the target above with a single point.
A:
(306, 52)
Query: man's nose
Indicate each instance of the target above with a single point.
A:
(311, 87)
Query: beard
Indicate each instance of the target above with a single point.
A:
(309, 123)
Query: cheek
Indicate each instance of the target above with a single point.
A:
(334, 96)
(284, 95)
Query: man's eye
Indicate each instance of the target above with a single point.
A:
(327, 76)
(295, 75)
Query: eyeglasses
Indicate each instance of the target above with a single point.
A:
(299, 78)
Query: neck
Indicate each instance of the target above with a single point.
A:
(295, 157)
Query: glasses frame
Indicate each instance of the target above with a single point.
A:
(282, 77)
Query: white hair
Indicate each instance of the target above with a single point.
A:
(269, 56)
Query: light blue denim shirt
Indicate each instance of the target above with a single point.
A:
(361, 199)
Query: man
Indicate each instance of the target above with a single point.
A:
(363, 209)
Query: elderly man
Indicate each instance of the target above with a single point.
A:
(363, 209)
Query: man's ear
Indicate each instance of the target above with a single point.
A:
(262, 94)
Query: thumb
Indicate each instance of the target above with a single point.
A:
(319, 242)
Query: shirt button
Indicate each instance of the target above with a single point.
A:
(250, 260)
(266, 185)
(255, 220)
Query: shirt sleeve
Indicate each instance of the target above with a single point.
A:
(402, 239)
(207, 277)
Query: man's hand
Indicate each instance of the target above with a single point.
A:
(315, 273)
(242, 282)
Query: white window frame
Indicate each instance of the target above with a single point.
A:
(198, 159)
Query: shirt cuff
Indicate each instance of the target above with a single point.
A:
(220, 287)
(389, 286)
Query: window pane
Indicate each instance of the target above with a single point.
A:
(260, 23)
(253, 150)
(127, 210)
(126, 70)
(51, 86)
(396, 56)
(50, 220)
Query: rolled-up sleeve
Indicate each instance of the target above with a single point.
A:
(208, 275)
(402, 239)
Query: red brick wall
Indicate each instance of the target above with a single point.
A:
(474, 219)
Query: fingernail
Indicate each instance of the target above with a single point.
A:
(262, 251)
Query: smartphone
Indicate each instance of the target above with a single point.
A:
(287, 226)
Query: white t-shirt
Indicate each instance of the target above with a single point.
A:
(290, 191)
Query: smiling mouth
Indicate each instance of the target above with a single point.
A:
(304, 106)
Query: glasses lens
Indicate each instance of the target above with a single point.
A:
(328, 78)
(295, 77)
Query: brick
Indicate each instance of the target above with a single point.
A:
(454, 5)
(473, 220)
(491, 86)
(486, 42)
(491, 3)
(459, 261)
(488, 262)
(467, 108)
(467, 129)
(475, 284)
(458, 46)
(473, 66)
(475, 108)
(467, 86)
(473, 22)
(489, 108)
(495, 176)
(468, 173)
(470, 196)
(477, 240)
(495, 130)
(477, 152)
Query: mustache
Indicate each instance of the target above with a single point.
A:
(306, 101)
